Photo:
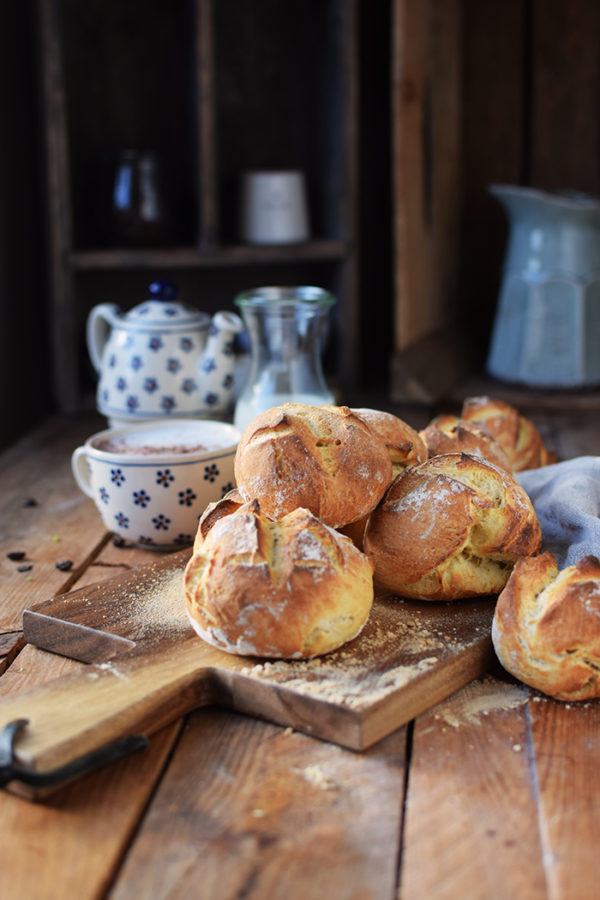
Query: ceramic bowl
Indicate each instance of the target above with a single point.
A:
(152, 482)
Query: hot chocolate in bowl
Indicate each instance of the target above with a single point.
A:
(152, 482)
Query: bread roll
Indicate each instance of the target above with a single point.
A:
(448, 434)
(546, 627)
(290, 588)
(322, 458)
(231, 502)
(404, 443)
(517, 435)
(450, 527)
(405, 446)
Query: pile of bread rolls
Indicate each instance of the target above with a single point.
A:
(271, 574)
(332, 503)
(498, 430)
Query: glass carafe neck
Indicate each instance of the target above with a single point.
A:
(287, 327)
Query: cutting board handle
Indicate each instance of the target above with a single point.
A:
(78, 714)
(11, 771)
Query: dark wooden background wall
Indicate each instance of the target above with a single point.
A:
(24, 349)
(530, 114)
(483, 91)
(516, 89)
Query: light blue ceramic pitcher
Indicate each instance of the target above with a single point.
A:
(547, 326)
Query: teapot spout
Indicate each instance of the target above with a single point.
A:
(226, 324)
(217, 362)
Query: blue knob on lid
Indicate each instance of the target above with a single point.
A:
(163, 290)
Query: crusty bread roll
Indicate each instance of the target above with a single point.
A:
(449, 434)
(450, 527)
(405, 446)
(323, 458)
(231, 502)
(516, 434)
(546, 627)
(290, 588)
(404, 443)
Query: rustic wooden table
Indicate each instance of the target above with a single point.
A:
(490, 794)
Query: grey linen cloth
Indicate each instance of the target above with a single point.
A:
(566, 498)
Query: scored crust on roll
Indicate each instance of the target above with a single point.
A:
(322, 458)
(516, 434)
(228, 504)
(449, 434)
(291, 588)
(404, 443)
(546, 627)
(449, 528)
(405, 446)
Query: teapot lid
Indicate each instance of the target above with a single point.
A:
(162, 309)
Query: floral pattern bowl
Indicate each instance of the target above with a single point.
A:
(152, 482)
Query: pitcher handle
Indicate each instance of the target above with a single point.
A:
(99, 323)
(81, 470)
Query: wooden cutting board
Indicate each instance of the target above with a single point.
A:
(147, 667)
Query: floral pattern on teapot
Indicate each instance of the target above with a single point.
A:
(162, 358)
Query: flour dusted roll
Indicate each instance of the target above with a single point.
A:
(450, 527)
(290, 588)
(323, 458)
(404, 443)
(546, 627)
(516, 434)
(448, 434)
(228, 504)
(405, 446)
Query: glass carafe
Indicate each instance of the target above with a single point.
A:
(286, 326)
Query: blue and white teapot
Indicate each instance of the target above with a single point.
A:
(162, 358)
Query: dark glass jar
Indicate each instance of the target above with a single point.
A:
(139, 213)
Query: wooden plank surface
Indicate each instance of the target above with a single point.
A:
(254, 810)
(473, 833)
(69, 847)
(566, 745)
(45, 516)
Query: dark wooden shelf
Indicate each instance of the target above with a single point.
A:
(192, 257)
(527, 398)
(232, 94)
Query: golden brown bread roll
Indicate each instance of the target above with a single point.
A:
(290, 588)
(323, 458)
(404, 443)
(450, 527)
(228, 504)
(449, 434)
(405, 446)
(546, 627)
(516, 434)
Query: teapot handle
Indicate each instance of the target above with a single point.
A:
(99, 323)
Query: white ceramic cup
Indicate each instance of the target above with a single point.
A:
(152, 482)
(274, 207)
